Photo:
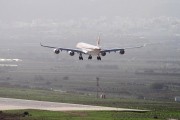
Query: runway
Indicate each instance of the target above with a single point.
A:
(18, 104)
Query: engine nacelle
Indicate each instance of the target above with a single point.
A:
(57, 51)
(71, 53)
(122, 52)
(103, 54)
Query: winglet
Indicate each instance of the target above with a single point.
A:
(41, 44)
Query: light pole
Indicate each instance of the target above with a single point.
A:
(97, 78)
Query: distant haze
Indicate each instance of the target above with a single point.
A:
(12, 10)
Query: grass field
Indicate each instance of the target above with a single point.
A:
(118, 79)
(122, 88)
(67, 97)
(161, 110)
(89, 115)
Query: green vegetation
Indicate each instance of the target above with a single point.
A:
(67, 97)
(161, 110)
(90, 115)
(122, 79)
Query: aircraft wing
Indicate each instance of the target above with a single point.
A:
(64, 49)
(119, 49)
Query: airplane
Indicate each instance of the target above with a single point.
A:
(91, 50)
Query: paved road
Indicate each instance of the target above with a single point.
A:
(15, 104)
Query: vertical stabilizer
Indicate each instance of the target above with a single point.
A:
(98, 42)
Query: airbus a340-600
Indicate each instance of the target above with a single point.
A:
(90, 50)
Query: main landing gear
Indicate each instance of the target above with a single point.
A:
(89, 58)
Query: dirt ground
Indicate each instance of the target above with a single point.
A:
(8, 116)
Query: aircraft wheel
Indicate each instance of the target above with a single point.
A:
(90, 57)
(98, 58)
(80, 58)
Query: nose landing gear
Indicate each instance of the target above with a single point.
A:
(80, 57)
(98, 58)
(90, 57)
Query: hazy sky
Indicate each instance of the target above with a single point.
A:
(73, 9)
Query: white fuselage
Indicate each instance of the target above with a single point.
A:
(89, 49)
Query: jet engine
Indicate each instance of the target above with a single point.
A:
(122, 52)
(71, 53)
(103, 54)
(57, 51)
